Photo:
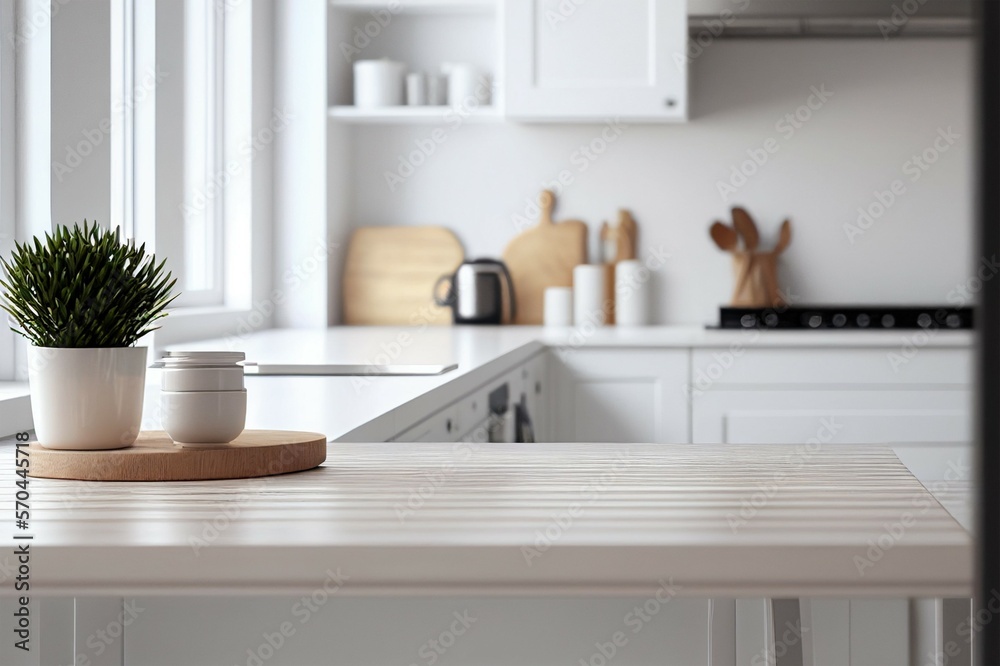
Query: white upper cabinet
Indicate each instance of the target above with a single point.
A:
(567, 60)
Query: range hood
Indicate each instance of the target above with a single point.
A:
(880, 19)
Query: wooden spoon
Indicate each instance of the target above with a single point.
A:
(724, 236)
(747, 228)
(784, 238)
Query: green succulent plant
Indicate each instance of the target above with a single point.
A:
(84, 287)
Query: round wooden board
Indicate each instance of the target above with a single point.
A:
(155, 457)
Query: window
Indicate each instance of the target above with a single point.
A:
(187, 191)
(173, 57)
(183, 109)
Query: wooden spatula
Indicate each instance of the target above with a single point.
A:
(746, 228)
(724, 236)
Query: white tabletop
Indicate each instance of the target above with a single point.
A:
(514, 519)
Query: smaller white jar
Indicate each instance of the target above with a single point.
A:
(203, 399)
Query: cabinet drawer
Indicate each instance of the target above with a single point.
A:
(441, 427)
(713, 368)
(836, 417)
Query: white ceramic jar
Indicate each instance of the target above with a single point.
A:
(378, 83)
(203, 399)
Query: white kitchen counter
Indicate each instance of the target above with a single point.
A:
(513, 519)
(376, 408)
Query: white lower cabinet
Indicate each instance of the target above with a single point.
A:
(438, 631)
(844, 396)
(619, 395)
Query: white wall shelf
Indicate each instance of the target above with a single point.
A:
(430, 115)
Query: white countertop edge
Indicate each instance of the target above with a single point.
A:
(446, 570)
(699, 337)
(15, 408)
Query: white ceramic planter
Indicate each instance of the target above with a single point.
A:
(87, 399)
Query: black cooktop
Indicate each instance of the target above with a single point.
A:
(855, 317)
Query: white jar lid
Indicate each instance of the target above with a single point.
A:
(201, 359)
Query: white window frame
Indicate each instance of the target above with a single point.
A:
(7, 170)
(244, 213)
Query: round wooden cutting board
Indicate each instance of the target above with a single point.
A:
(155, 457)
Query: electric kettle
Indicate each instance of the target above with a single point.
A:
(479, 292)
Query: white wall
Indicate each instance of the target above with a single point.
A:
(81, 110)
(889, 100)
(301, 248)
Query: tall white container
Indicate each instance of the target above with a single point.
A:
(558, 306)
(589, 307)
(466, 86)
(378, 83)
(631, 293)
(416, 89)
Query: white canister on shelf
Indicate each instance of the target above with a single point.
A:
(589, 306)
(631, 293)
(437, 90)
(467, 86)
(416, 89)
(378, 83)
(558, 306)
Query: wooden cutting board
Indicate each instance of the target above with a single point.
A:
(544, 256)
(390, 273)
(154, 457)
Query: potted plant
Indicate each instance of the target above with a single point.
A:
(82, 298)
